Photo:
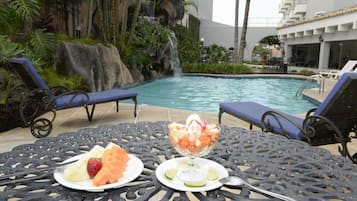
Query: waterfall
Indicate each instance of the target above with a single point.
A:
(174, 56)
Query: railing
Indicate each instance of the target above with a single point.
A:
(320, 81)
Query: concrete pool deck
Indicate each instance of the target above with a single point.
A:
(76, 118)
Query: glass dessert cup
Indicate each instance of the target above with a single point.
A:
(192, 145)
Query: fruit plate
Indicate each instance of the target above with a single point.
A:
(133, 170)
(177, 184)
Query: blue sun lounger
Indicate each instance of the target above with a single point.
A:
(37, 98)
(334, 121)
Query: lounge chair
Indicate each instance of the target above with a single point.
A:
(350, 66)
(29, 101)
(334, 121)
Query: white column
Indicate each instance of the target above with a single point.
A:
(324, 55)
(288, 52)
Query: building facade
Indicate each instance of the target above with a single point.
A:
(221, 34)
(318, 34)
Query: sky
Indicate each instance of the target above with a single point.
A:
(261, 12)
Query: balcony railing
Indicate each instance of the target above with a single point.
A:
(284, 5)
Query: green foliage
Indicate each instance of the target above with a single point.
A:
(187, 46)
(37, 46)
(52, 78)
(150, 40)
(42, 44)
(83, 40)
(255, 62)
(215, 68)
(263, 52)
(8, 81)
(307, 72)
(38, 49)
(270, 40)
(26, 9)
(150, 36)
(9, 21)
(8, 49)
(216, 54)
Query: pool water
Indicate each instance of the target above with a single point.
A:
(200, 93)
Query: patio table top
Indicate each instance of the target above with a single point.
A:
(271, 162)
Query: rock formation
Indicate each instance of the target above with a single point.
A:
(100, 66)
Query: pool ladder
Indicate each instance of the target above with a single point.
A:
(319, 79)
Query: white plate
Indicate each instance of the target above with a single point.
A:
(177, 184)
(133, 170)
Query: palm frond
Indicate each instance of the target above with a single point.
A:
(42, 44)
(9, 21)
(26, 9)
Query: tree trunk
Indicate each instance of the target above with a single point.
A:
(133, 24)
(66, 16)
(73, 20)
(244, 33)
(235, 53)
(90, 18)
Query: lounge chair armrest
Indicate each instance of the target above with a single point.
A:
(310, 112)
(278, 115)
(312, 120)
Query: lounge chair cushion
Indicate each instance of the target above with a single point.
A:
(94, 98)
(252, 112)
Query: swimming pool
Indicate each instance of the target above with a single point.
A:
(200, 93)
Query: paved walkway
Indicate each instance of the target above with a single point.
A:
(75, 118)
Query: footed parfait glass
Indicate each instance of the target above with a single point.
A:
(193, 143)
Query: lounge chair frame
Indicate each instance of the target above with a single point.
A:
(326, 126)
(28, 102)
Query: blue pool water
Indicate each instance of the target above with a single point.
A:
(199, 93)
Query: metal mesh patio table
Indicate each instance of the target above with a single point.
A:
(271, 162)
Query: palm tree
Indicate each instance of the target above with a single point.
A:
(244, 33)
(235, 54)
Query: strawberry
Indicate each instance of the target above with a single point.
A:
(93, 166)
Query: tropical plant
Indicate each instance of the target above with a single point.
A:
(114, 23)
(188, 47)
(270, 40)
(27, 10)
(263, 52)
(149, 41)
(216, 54)
(8, 49)
(40, 45)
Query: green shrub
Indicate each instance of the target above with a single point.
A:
(216, 54)
(216, 68)
(84, 40)
(54, 79)
(187, 46)
(307, 72)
